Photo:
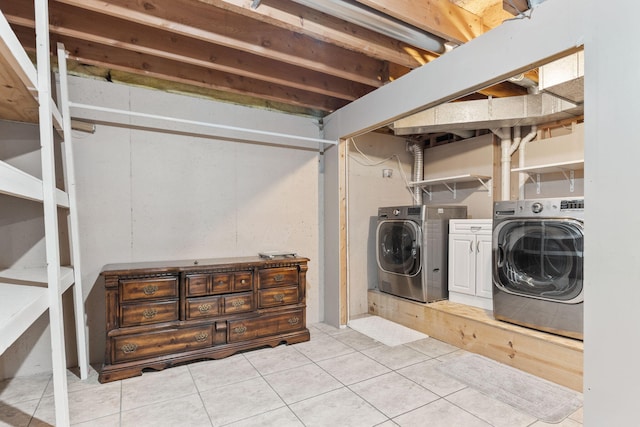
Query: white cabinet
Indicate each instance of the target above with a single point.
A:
(470, 262)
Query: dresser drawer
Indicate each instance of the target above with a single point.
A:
(238, 303)
(198, 308)
(147, 313)
(278, 296)
(150, 344)
(264, 326)
(203, 284)
(197, 284)
(243, 281)
(143, 289)
(278, 277)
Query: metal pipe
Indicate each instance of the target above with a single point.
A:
(505, 145)
(522, 176)
(197, 123)
(418, 170)
(375, 21)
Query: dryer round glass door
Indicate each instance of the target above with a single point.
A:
(398, 247)
(540, 258)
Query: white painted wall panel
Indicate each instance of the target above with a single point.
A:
(368, 191)
(612, 372)
(146, 195)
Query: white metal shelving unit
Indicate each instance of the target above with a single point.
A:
(27, 293)
(566, 168)
(450, 183)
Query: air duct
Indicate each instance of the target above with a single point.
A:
(373, 20)
(418, 170)
(491, 113)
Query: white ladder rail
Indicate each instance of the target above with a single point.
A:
(74, 232)
(56, 317)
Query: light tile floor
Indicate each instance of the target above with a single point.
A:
(339, 378)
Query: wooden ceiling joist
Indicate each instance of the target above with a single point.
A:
(90, 26)
(101, 55)
(198, 20)
(439, 17)
(294, 17)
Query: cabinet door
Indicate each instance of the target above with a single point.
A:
(484, 283)
(462, 264)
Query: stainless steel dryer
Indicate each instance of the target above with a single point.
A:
(538, 262)
(411, 250)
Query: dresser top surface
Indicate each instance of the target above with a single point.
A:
(199, 264)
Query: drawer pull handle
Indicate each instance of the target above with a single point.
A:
(278, 278)
(243, 281)
(239, 330)
(237, 303)
(293, 321)
(278, 297)
(150, 289)
(204, 308)
(202, 336)
(129, 348)
(220, 282)
(150, 313)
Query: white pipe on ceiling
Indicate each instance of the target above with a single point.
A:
(154, 122)
(378, 22)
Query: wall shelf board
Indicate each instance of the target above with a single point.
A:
(552, 167)
(450, 183)
(37, 276)
(17, 183)
(563, 167)
(451, 180)
(20, 306)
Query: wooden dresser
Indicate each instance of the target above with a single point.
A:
(160, 314)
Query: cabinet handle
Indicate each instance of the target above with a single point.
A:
(237, 303)
(278, 278)
(129, 348)
(475, 229)
(478, 246)
(278, 297)
(243, 281)
(220, 282)
(150, 313)
(150, 289)
(471, 246)
(239, 330)
(201, 337)
(203, 308)
(293, 321)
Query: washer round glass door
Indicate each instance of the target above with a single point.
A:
(398, 249)
(540, 258)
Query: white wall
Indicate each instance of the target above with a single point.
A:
(470, 156)
(612, 294)
(367, 191)
(159, 196)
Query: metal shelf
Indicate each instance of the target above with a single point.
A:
(450, 183)
(565, 168)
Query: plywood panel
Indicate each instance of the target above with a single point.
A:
(548, 356)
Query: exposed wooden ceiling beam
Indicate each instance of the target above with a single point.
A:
(113, 57)
(439, 17)
(294, 17)
(194, 19)
(105, 30)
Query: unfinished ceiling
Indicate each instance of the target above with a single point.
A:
(277, 54)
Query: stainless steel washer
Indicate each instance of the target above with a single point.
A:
(411, 250)
(538, 262)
